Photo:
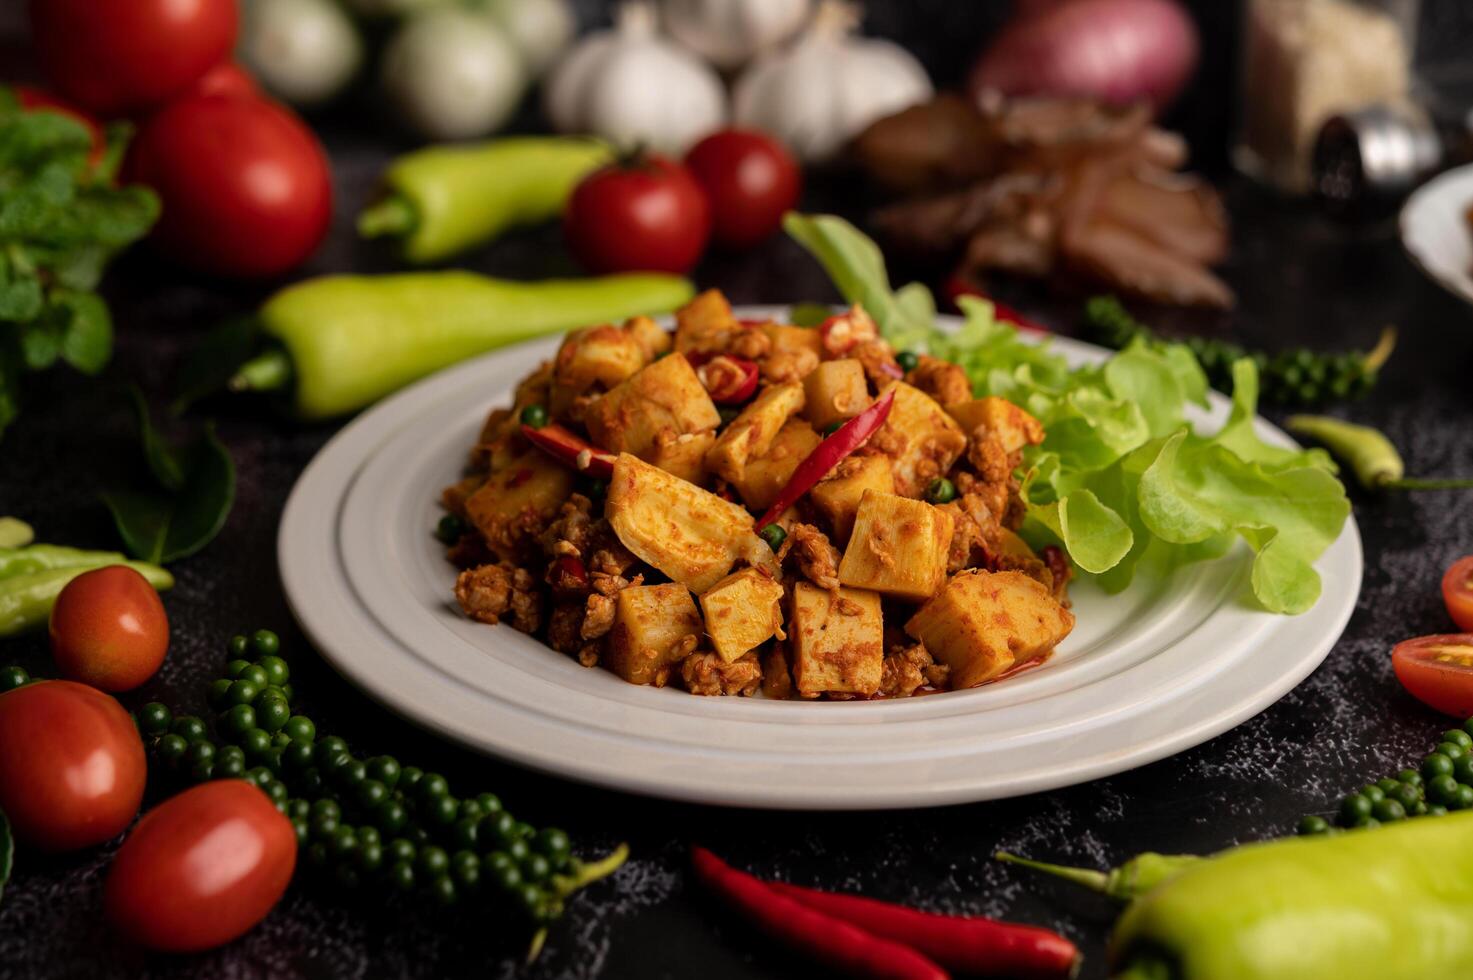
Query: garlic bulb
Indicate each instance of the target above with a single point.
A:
(541, 29)
(829, 85)
(635, 88)
(729, 33)
(453, 74)
(302, 51)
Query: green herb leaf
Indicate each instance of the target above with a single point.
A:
(87, 334)
(11, 361)
(189, 501)
(7, 852)
(1120, 480)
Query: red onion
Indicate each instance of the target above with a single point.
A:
(1114, 50)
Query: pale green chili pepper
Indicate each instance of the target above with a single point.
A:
(1369, 454)
(26, 600)
(38, 557)
(445, 199)
(1132, 879)
(15, 533)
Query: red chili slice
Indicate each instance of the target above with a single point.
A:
(973, 945)
(729, 380)
(850, 436)
(842, 332)
(568, 575)
(567, 446)
(831, 941)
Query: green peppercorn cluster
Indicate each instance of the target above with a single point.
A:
(1444, 782)
(359, 819)
(1299, 377)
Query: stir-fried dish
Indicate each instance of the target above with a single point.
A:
(740, 506)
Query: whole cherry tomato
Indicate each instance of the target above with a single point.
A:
(34, 98)
(109, 629)
(648, 215)
(1457, 592)
(1438, 671)
(72, 766)
(226, 78)
(116, 58)
(201, 869)
(245, 187)
(751, 181)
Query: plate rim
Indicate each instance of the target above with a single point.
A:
(1423, 200)
(383, 416)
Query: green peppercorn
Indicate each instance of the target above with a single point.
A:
(536, 868)
(1442, 789)
(238, 647)
(1410, 776)
(409, 777)
(1405, 794)
(941, 491)
(465, 868)
(534, 416)
(303, 832)
(370, 855)
(518, 850)
(490, 803)
(1355, 807)
(449, 529)
(299, 728)
(1436, 810)
(390, 816)
(431, 786)
(908, 360)
(272, 714)
(192, 728)
(1369, 823)
(1452, 750)
(219, 693)
(372, 794)
(1373, 793)
(171, 748)
(433, 861)
(277, 670)
(1463, 800)
(327, 750)
(441, 811)
(349, 773)
(230, 762)
(243, 691)
(469, 809)
(200, 751)
(464, 832)
(774, 536)
(530, 898)
(237, 722)
(443, 891)
(400, 849)
(296, 758)
(503, 871)
(401, 876)
(311, 783)
(1389, 810)
(153, 718)
(501, 826)
(1311, 826)
(553, 844)
(12, 678)
(1436, 765)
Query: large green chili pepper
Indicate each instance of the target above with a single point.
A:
(1369, 454)
(1391, 903)
(1131, 880)
(26, 600)
(350, 340)
(39, 557)
(445, 199)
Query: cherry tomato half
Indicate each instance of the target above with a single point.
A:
(245, 186)
(72, 766)
(751, 181)
(1457, 592)
(646, 216)
(1438, 671)
(201, 868)
(109, 629)
(116, 58)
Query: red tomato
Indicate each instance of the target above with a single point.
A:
(226, 78)
(1438, 671)
(1457, 592)
(245, 187)
(114, 58)
(201, 869)
(34, 98)
(751, 181)
(109, 629)
(72, 766)
(649, 216)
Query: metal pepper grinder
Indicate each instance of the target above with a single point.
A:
(1367, 161)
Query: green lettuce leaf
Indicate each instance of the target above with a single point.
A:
(1121, 481)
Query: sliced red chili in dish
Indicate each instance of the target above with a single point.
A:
(566, 446)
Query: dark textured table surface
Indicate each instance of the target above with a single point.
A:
(1300, 280)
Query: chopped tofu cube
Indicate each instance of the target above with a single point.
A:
(603, 355)
(984, 623)
(898, 547)
(752, 432)
(684, 455)
(691, 535)
(792, 339)
(921, 440)
(765, 476)
(666, 395)
(838, 496)
(652, 338)
(705, 324)
(836, 391)
(515, 501)
(837, 641)
(743, 611)
(655, 627)
(1013, 427)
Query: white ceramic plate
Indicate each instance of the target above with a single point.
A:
(1435, 231)
(1147, 673)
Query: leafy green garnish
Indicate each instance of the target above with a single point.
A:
(187, 498)
(7, 852)
(1122, 479)
(61, 221)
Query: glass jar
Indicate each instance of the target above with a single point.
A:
(1306, 60)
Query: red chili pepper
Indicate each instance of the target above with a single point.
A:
(957, 287)
(567, 446)
(828, 940)
(568, 575)
(842, 332)
(850, 436)
(728, 379)
(974, 945)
